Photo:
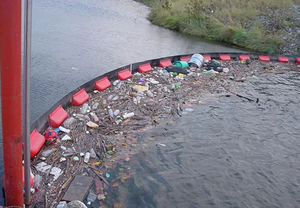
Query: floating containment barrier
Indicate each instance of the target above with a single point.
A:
(80, 97)
(57, 117)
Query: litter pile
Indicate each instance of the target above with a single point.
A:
(75, 167)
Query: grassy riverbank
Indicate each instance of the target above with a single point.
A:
(264, 26)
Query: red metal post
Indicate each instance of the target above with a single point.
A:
(10, 65)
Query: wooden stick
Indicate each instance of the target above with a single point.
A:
(99, 175)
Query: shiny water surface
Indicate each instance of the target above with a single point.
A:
(228, 152)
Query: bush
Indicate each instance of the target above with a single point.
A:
(238, 22)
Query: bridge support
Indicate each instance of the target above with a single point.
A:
(10, 65)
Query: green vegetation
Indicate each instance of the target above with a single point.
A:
(257, 25)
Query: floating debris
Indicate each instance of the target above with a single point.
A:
(94, 117)
(78, 188)
(189, 109)
(76, 204)
(95, 106)
(103, 138)
(101, 197)
(56, 172)
(66, 138)
(63, 148)
(42, 167)
(64, 129)
(140, 88)
(84, 109)
(87, 157)
(92, 125)
(153, 81)
(76, 158)
(128, 115)
(116, 112)
(62, 204)
(48, 152)
(91, 197)
(93, 153)
(116, 82)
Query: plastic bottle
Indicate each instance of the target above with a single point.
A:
(111, 113)
(95, 106)
(149, 93)
(62, 204)
(110, 97)
(87, 157)
(82, 117)
(115, 98)
(91, 197)
(84, 108)
(116, 112)
(139, 94)
(128, 115)
(116, 82)
(196, 59)
(69, 121)
(37, 181)
(135, 101)
(94, 117)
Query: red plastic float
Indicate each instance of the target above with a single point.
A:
(80, 97)
(185, 58)
(144, 68)
(206, 57)
(264, 58)
(102, 84)
(165, 62)
(224, 57)
(57, 117)
(124, 74)
(244, 57)
(36, 142)
(283, 59)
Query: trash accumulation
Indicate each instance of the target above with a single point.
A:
(78, 162)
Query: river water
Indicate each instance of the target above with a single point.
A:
(228, 152)
(73, 41)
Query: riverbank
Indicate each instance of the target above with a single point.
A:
(262, 26)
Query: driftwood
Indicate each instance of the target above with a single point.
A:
(98, 174)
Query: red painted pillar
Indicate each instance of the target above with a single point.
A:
(10, 65)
